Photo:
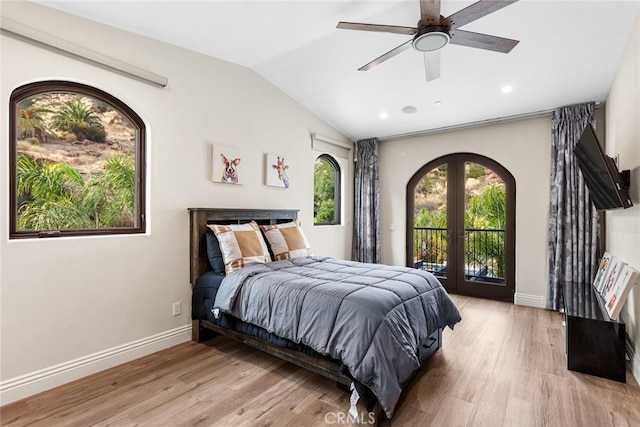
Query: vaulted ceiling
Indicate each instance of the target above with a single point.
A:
(568, 53)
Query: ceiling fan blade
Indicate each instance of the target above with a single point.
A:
(477, 11)
(377, 28)
(432, 65)
(482, 41)
(393, 52)
(430, 12)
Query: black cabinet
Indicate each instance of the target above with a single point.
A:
(595, 344)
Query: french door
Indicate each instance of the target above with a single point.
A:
(461, 225)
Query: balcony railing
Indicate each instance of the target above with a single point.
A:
(483, 252)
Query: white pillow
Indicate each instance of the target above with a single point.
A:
(287, 241)
(240, 244)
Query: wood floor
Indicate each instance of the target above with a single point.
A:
(504, 365)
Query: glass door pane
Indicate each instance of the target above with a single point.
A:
(484, 225)
(430, 222)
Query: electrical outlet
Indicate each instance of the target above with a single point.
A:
(176, 308)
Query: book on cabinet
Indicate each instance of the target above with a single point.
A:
(613, 282)
(615, 299)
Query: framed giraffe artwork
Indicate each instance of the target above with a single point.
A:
(276, 171)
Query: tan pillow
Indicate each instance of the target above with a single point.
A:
(286, 241)
(241, 244)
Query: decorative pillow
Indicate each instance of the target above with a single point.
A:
(240, 244)
(213, 252)
(286, 241)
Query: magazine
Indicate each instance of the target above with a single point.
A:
(627, 277)
(611, 275)
(598, 282)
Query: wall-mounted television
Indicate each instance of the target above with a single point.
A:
(609, 189)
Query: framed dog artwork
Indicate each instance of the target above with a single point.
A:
(226, 164)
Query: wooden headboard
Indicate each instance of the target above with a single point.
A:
(200, 217)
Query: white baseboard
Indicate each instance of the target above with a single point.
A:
(36, 382)
(529, 300)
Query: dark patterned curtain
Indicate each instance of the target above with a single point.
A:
(573, 220)
(366, 224)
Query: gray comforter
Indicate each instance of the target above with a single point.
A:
(371, 317)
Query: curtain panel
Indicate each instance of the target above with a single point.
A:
(574, 226)
(366, 224)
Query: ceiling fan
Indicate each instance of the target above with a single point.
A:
(434, 31)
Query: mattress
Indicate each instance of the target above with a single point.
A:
(204, 295)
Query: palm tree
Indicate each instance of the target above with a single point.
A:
(433, 247)
(31, 120)
(487, 211)
(46, 180)
(54, 195)
(110, 194)
(48, 195)
(59, 214)
(77, 118)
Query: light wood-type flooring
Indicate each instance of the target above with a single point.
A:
(504, 365)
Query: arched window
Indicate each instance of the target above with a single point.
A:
(326, 191)
(77, 162)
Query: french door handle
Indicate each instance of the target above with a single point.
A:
(459, 236)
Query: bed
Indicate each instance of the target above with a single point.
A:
(353, 295)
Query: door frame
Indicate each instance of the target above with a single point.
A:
(454, 201)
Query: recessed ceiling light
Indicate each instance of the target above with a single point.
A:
(507, 89)
(383, 115)
(438, 103)
(409, 109)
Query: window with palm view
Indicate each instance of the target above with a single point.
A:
(77, 162)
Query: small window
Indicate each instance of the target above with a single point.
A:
(326, 191)
(77, 161)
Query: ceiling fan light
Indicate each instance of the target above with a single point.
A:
(431, 41)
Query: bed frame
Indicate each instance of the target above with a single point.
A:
(203, 329)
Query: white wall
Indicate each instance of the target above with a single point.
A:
(623, 138)
(523, 147)
(68, 301)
